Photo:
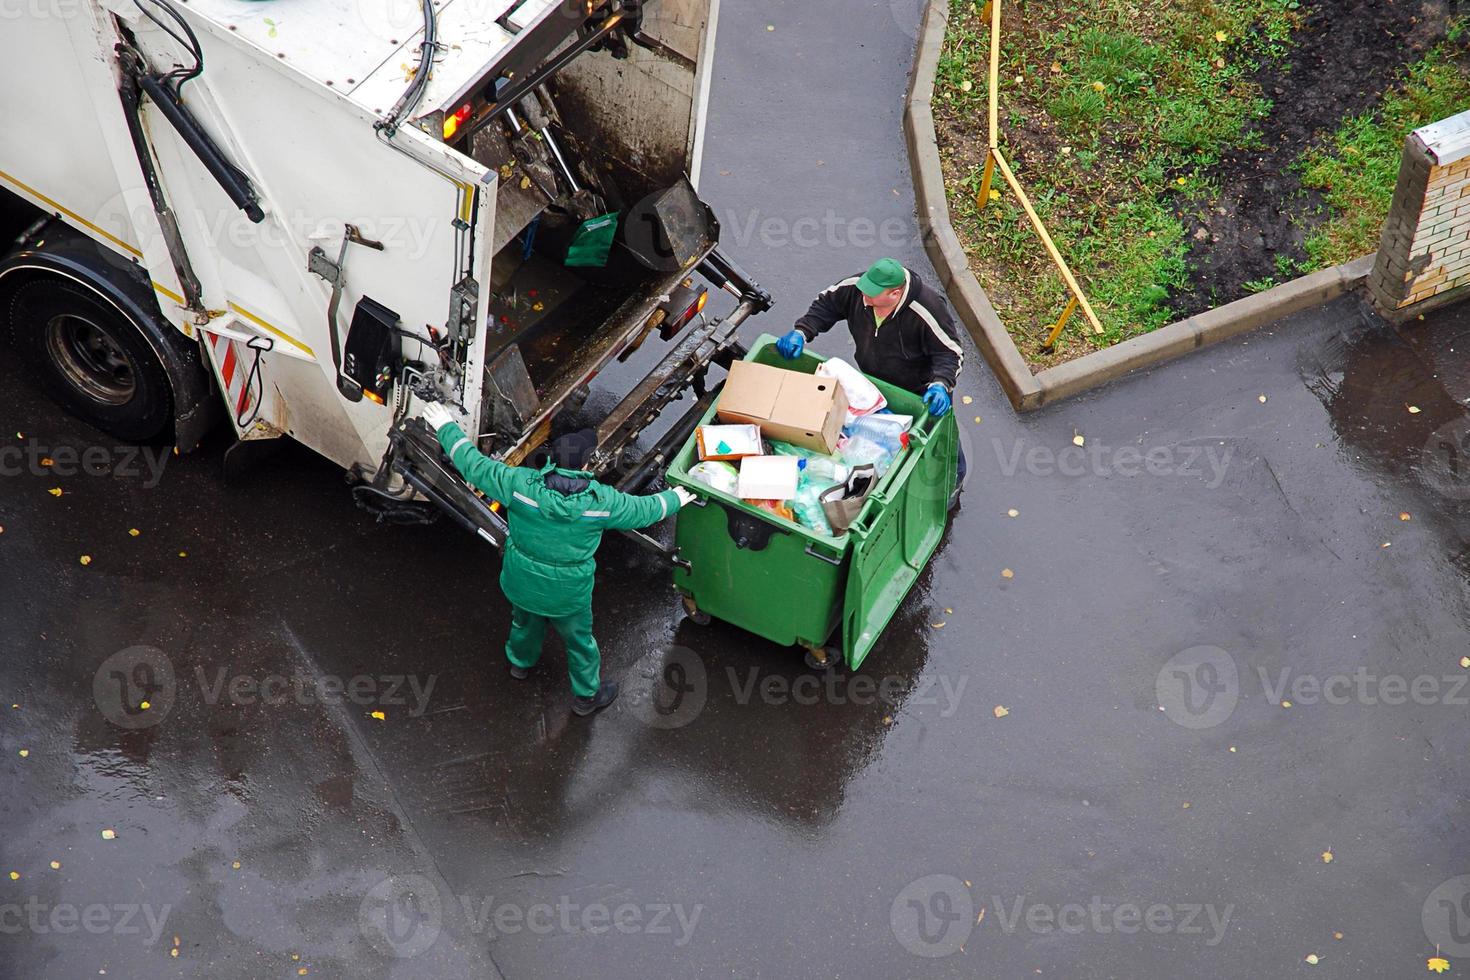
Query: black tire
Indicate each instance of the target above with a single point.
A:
(91, 359)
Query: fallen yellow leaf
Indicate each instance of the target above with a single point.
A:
(134, 532)
(1098, 87)
(1313, 959)
(1261, 399)
(1465, 661)
(1077, 439)
(1437, 964)
(15, 876)
(1404, 516)
(966, 85)
(1286, 704)
(1219, 35)
(1413, 409)
(183, 554)
(977, 418)
(938, 626)
(966, 399)
(1007, 573)
(85, 559)
(54, 491)
(174, 952)
(24, 753)
(1326, 857)
(1056, 67)
(55, 865)
(1386, 544)
(47, 461)
(1337, 935)
(379, 715)
(1001, 711)
(145, 705)
(235, 865)
(1013, 513)
(109, 834)
(1187, 804)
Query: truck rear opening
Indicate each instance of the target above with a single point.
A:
(328, 213)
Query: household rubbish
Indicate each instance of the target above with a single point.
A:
(863, 397)
(728, 441)
(801, 409)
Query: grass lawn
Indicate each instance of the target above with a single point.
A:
(1357, 169)
(1116, 117)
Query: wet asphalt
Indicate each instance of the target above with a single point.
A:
(1082, 769)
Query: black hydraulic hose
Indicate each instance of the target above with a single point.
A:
(410, 99)
(231, 180)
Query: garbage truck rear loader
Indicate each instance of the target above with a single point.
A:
(314, 218)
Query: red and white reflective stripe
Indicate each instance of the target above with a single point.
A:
(233, 360)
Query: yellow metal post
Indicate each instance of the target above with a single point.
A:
(1051, 248)
(994, 73)
(1056, 330)
(985, 180)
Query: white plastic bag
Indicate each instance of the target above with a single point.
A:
(863, 397)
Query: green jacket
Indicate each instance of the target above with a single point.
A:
(548, 565)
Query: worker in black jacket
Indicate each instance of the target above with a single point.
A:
(902, 330)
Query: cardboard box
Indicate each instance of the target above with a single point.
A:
(768, 477)
(726, 442)
(802, 409)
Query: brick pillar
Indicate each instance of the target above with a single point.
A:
(1424, 254)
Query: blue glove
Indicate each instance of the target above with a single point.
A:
(936, 399)
(791, 345)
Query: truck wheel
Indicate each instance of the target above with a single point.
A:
(91, 359)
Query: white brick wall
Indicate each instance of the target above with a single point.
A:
(1424, 254)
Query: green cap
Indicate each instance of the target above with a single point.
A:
(881, 275)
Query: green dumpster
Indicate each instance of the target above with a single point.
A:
(794, 586)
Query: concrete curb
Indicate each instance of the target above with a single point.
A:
(1025, 390)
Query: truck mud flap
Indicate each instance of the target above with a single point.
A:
(415, 454)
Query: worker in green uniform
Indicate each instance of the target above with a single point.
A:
(556, 514)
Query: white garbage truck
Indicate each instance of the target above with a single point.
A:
(306, 219)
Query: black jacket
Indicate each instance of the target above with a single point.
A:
(916, 346)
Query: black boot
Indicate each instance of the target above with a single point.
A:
(606, 695)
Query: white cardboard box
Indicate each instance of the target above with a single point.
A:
(768, 477)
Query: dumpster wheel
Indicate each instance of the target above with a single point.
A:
(822, 658)
(699, 616)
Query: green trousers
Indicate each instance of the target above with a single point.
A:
(584, 661)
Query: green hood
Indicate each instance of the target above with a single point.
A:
(564, 507)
